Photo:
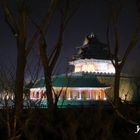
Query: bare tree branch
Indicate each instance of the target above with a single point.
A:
(9, 18)
(44, 25)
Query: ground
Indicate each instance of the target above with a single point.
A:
(97, 122)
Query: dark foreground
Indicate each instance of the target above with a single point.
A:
(76, 123)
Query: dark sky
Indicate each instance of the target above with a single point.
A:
(91, 17)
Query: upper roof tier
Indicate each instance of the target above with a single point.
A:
(92, 48)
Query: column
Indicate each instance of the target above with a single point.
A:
(90, 95)
(68, 97)
(80, 94)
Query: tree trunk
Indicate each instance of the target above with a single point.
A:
(21, 61)
(19, 84)
(47, 73)
(49, 92)
(117, 86)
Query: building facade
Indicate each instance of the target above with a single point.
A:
(92, 77)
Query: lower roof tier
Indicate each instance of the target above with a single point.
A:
(72, 81)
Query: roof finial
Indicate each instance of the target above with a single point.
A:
(92, 35)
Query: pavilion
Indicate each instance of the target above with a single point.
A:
(91, 79)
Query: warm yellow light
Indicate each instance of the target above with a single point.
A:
(94, 65)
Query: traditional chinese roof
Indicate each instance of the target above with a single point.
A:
(72, 81)
(92, 48)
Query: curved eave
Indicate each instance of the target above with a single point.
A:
(81, 88)
(73, 82)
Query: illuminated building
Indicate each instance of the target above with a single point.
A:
(92, 77)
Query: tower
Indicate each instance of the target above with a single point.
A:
(93, 56)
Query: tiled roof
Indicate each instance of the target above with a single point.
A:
(72, 81)
(92, 49)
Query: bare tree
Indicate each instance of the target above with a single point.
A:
(18, 26)
(67, 9)
(118, 62)
(7, 80)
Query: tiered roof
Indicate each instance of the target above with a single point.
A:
(92, 48)
(72, 81)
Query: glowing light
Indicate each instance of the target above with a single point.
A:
(93, 65)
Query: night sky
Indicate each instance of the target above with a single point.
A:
(91, 17)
